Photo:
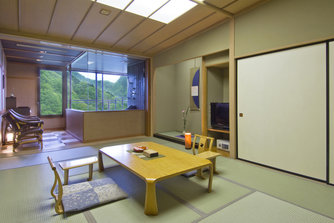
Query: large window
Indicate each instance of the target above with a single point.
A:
(101, 81)
(98, 92)
(51, 92)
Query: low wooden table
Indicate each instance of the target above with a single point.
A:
(173, 163)
(67, 165)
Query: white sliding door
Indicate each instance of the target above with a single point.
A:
(331, 112)
(282, 96)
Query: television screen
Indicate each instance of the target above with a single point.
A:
(220, 115)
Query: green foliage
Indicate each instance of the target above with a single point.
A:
(51, 92)
(83, 93)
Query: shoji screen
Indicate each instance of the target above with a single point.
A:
(331, 112)
(282, 98)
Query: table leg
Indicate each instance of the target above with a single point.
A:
(151, 207)
(66, 177)
(101, 167)
(90, 172)
(210, 178)
(214, 165)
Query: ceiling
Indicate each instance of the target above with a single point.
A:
(38, 53)
(79, 23)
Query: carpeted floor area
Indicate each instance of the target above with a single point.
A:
(242, 192)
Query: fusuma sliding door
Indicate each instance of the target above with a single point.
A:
(282, 110)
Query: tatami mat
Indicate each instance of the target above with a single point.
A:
(261, 208)
(194, 191)
(242, 192)
(307, 193)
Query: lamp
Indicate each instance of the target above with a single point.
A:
(187, 140)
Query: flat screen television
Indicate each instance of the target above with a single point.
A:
(220, 115)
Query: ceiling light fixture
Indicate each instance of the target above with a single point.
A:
(38, 47)
(50, 44)
(145, 7)
(120, 4)
(172, 10)
(105, 12)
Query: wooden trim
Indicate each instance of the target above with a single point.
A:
(232, 91)
(52, 15)
(216, 9)
(148, 113)
(219, 130)
(204, 110)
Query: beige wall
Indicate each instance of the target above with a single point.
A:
(22, 81)
(214, 40)
(172, 95)
(280, 23)
(273, 25)
(164, 112)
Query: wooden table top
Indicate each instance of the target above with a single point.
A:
(173, 163)
(77, 163)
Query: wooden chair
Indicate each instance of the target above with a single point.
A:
(205, 150)
(81, 196)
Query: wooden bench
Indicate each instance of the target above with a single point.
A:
(67, 165)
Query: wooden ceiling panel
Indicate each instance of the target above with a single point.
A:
(36, 15)
(95, 23)
(191, 17)
(142, 31)
(206, 23)
(221, 3)
(67, 17)
(122, 25)
(241, 5)
(8, 14)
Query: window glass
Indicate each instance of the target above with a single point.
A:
(51, 93)
(98, 91)
(83, 91)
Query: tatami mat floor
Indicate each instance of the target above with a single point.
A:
(242, 192)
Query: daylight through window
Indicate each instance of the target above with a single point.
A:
(51, 93)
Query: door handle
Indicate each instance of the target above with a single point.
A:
(241, 115)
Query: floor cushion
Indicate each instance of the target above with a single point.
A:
(80, 196)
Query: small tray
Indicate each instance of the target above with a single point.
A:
(139, 149)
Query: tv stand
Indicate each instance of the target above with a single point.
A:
(219, 130)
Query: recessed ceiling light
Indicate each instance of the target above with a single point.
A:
(172, 10)
(120, 4)
(145, 7)
(105, 12)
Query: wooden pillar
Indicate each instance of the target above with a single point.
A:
(232, 91)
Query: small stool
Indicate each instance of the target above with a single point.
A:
(67, 165)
